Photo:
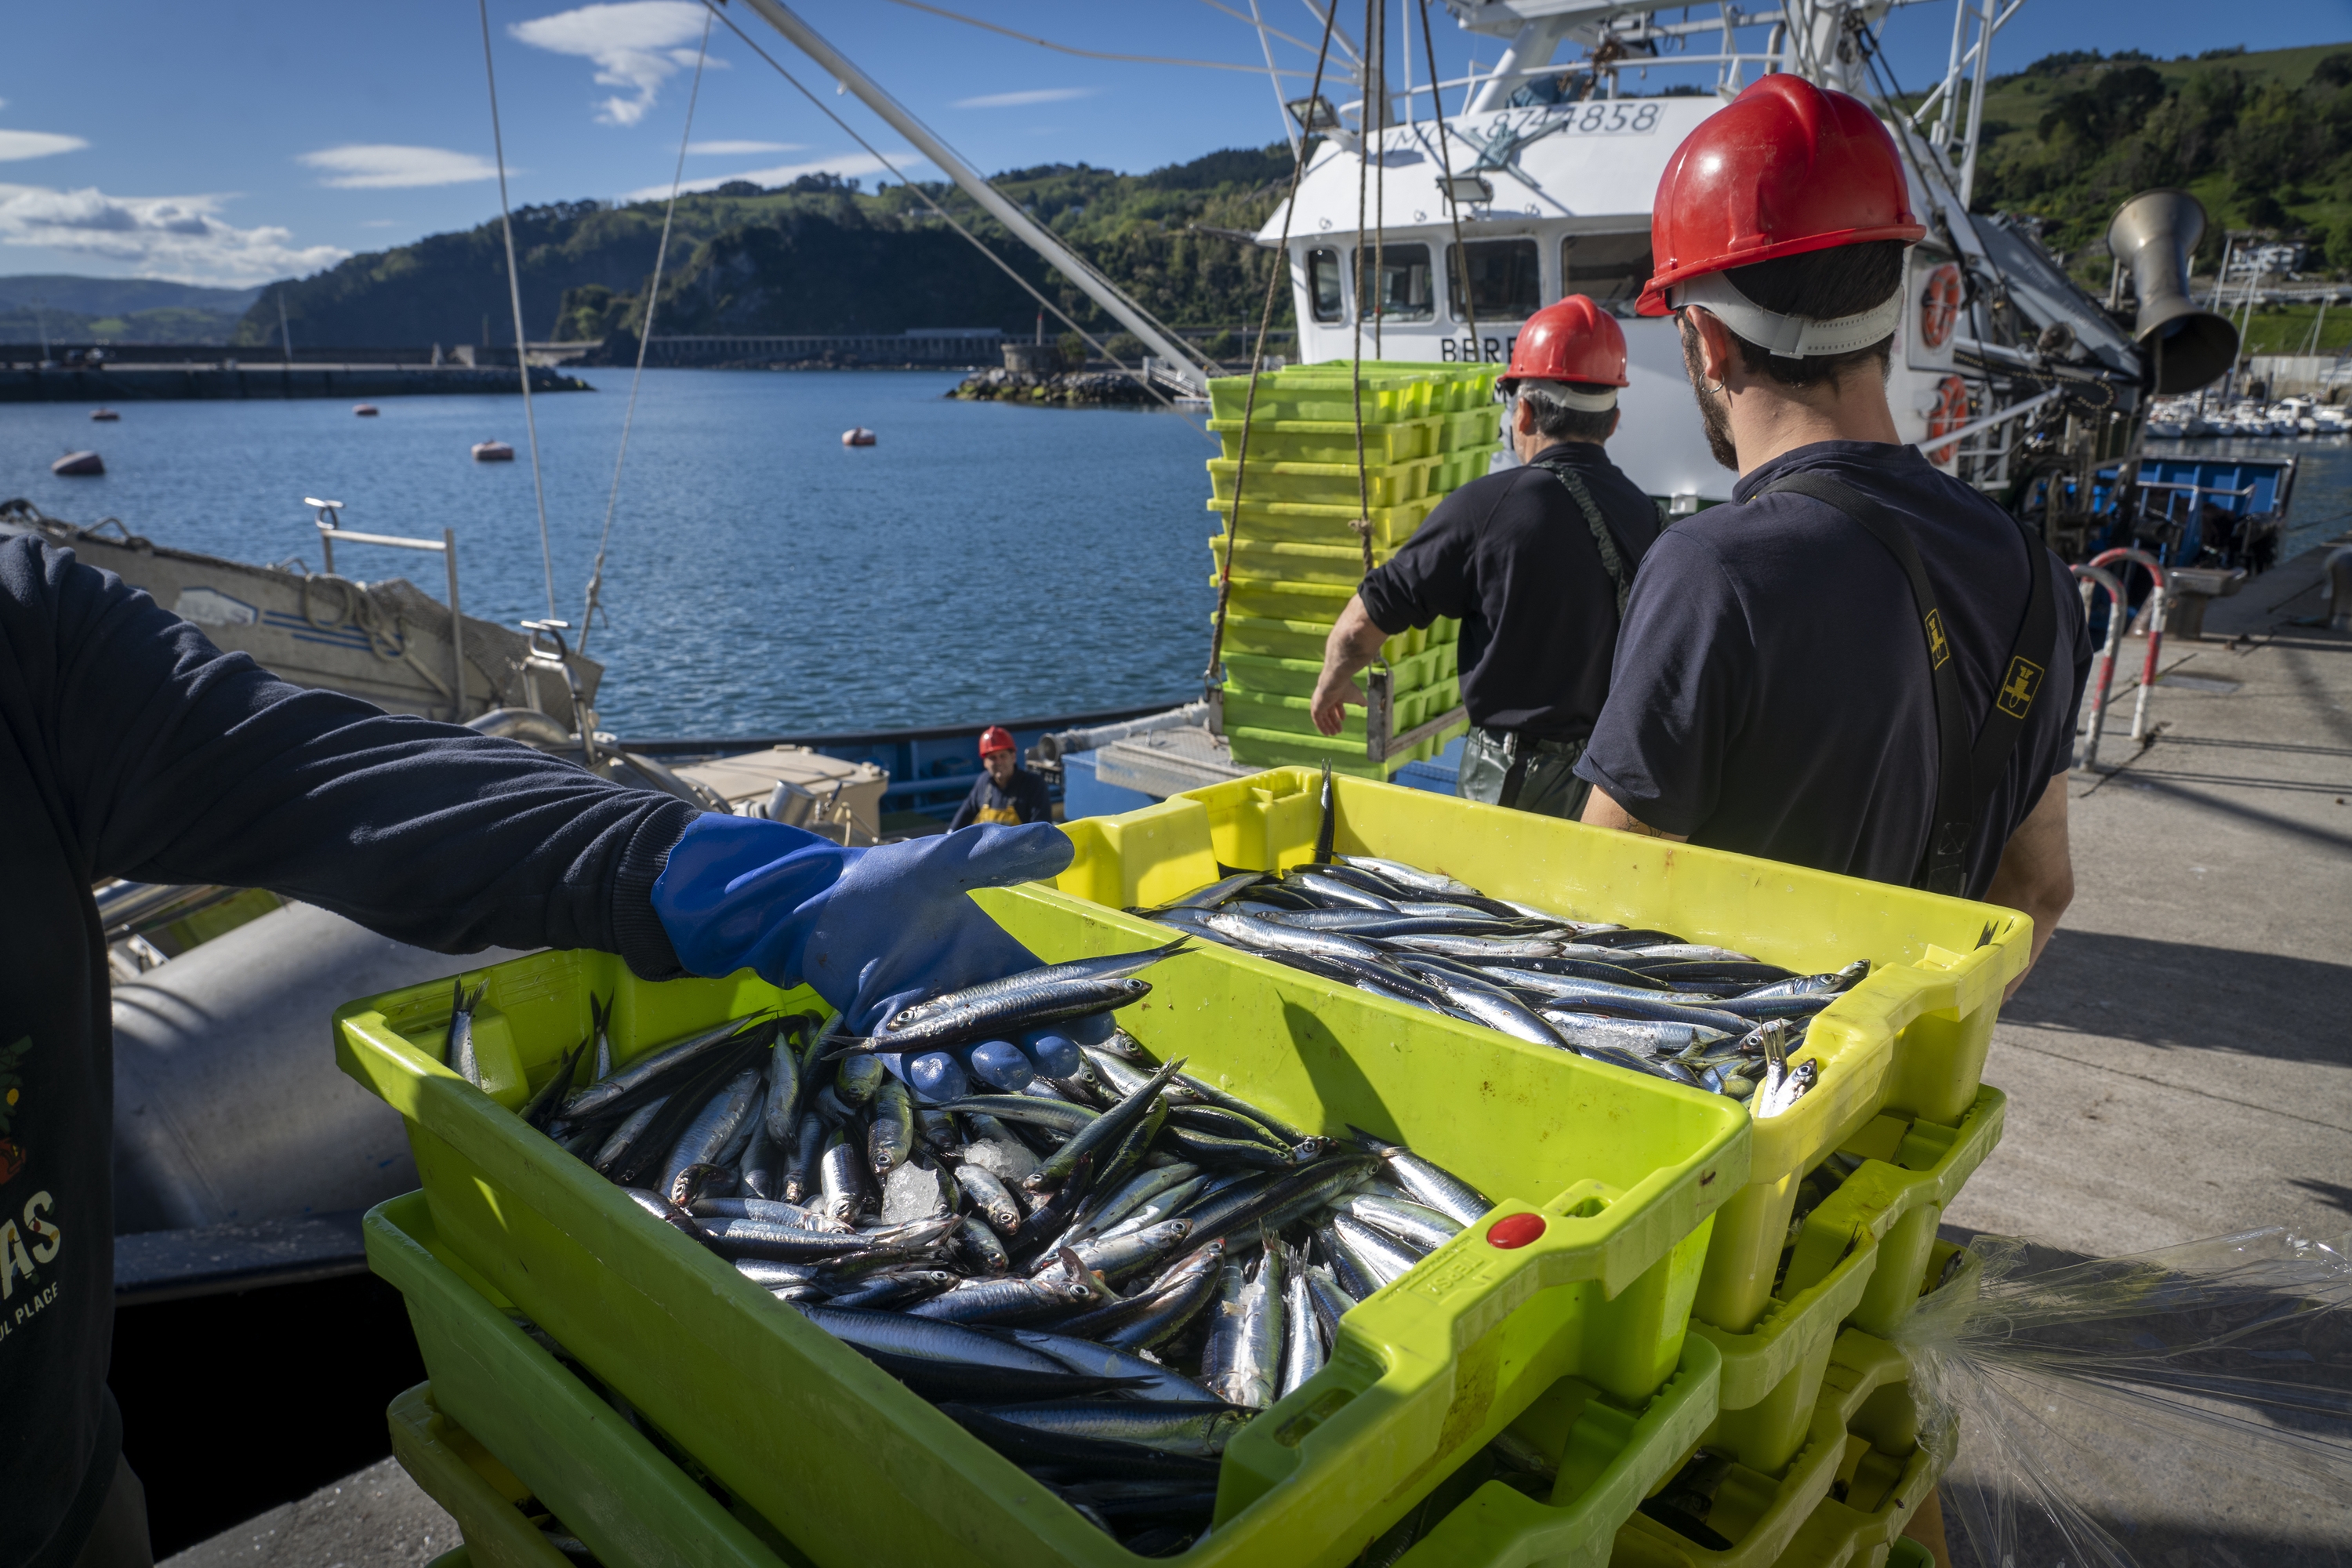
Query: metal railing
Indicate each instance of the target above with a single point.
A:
(331, 529)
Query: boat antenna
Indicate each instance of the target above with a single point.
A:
(1276, 275)
(514, 294)
(645, 338)
(1453, 203)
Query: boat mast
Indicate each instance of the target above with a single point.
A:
(1182, 360)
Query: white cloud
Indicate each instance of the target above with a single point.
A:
(377, 166)
(179, 237)
(1022, 99)
(744, 149)
(853, 165)
(637, 44)
(16, 144)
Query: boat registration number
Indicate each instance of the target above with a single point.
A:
(1593, 120)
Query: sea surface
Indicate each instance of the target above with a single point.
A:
(983, 562)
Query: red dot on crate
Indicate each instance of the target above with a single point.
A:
(1515, 1230)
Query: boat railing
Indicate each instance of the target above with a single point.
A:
(330, 528)
(2095, 580)
(2151, 617)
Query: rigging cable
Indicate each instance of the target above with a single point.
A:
(944, 216)
(645, 338)
(1276, 275)
(514, 292)
(1071, 49)
(1281, 108)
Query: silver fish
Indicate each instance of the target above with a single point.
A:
(651, 1065)
(1265, 936)
(1428, 1183)
(1116, 1257)
(981, 1249)
(807, 1148)
(1387, 1260)
(1414, 1223)
(1169, 1427)
(713, 1127)
(891, 1137)
(856, 1080)
(1412, 878)
(460, 1054)
(840, 1177)
(1302, 1351)
(1330, 1304)
(904, 1334)
(1258, 1368)
(1036, 996)
(1091, 1360)
(782, 1112)
(774, 1213)
(631, 1129)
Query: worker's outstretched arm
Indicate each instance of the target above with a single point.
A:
(1354, 642)
(2037, 870)
(1601, 810)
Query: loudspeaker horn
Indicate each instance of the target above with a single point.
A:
(2153, 234)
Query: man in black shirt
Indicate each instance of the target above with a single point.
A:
(1780, 682)
(1534, 561)
(1004, 791)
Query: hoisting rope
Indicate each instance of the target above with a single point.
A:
(514, 292)
(1211, 677)
(944, 216)
(645, 336)
(1452, 208)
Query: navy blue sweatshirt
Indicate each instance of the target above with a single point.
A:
(130, 746)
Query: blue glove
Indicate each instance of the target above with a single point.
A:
(871, 930)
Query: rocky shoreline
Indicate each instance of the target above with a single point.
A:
(1070, 388)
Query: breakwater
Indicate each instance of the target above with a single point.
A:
(138, 376)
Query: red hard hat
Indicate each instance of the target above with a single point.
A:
(1574, 339)
(995, 738)
(1784, 168)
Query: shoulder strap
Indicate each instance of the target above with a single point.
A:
(1943, 868)
(1613, 559)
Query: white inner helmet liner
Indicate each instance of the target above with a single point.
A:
(1583, 399)
(1786, 337)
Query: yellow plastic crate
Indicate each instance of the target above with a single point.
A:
(1309, 523)
(1257, 748)
(1261, 676)
(1290, 561)
(1326, 484)
(1479, 427)
(1293, 715)
(472, 1487)
(1909, 1041)
(1287, 599)
(1330, 440)
(1315, 395)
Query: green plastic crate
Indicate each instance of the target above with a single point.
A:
(1260, 748)
(1623, 1170)
(456, 1471)
(1326, 484)
(1480, 427)
(1458, 469)
(1908, 1041)
(1287, 599)
(1262, 675)
(1304, 640)
(565, 1445)
(1294, 715)
(1334, 564)
(1317, 395)
(1310, 524)
(1856, 1262)
(1454, 387)
(1330, 440)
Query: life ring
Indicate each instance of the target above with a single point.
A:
(1951, 412)
(1939, 306)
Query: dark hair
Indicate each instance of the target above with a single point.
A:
(1557, 421)
(1821, 285)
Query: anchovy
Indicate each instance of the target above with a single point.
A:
(838, 1176)
(609, 1095)
(1782, 1006)
(764, 1164)
(662, 1209)
(891, 1137)
(1429, 1184)
(1387, 1260)
(894, 1285)
(1536, 973)
(1691, 950)
(899, 1334)
(1282, 1132)
(782, 1112)
(1099, 1136)
(1216, 893)
(460, 1053)
(981, 1249)
(541, 1109)
(713, 1127)
(1416, 1225)
(1158, 1310)
(801, 1178)
(783, 1243)
(989, 1301)
(1329, 1301)
(1494, 1008)
(1152, 1210)
(1338, 892)
(1173, 1429)
(1593, 996)
(1303, 1351)
(1249, 1376)
(600, 1027)
(626, 1136)
(1642, 1036)
(1449, 909)
(990, 1198)
(1844, 980)
(1028, 1447)
(1025, 1000)
(770, 1275)
(1138, 1190)
(947, 1380)
(1480, 946)
(1089, 1358)
(1327, 826)
(772, 1212)
(1054, 1115)
(1412, 878)
(1265, 936)
(1286, 1195)
(1116, 1258)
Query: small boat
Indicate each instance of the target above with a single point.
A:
(857, 436)
(493, 452)
(364, 410)
(104, 416)
(75, 465)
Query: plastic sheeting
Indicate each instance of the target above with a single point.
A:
(2142, 1411)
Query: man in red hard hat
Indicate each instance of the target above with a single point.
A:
(1005, 790)
(1534, 561)
(1863, 664)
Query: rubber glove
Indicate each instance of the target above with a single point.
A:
(871, 930)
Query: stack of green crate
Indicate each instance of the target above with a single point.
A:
(1427, 429)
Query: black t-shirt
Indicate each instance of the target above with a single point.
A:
(1512, 558)
(130, 746)
(1772, 690)
(1024, 800)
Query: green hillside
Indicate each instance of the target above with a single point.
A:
(2264, 140)
(819, 256)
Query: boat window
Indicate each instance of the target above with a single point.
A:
(1323, 285)
(1404, 294)
(1610, 268)
(1504, 286)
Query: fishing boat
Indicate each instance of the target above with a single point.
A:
(104, 416)
(493, 452)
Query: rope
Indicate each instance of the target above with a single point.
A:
(1214, 674)
(514, 292)
(944, 216)
(1445, 162)
(645, 336)
(1364, 523)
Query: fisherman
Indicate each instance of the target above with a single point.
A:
(1863, 664)
(130, 746)
(1534, 561)
(1004, 791)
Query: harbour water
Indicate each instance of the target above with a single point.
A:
(983, 561)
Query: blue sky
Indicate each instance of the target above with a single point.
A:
(238, 140)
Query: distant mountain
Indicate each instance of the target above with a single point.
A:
(818, 256)
(99, 297)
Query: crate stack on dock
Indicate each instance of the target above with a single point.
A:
(1427, 429)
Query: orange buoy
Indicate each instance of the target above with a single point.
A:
(77, 465)
(493, 452)
(857, 436)
(364, 410)
(104, 414)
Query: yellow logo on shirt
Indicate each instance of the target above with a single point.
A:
(1003, 813)
(1939, 652)
(2016, 698)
